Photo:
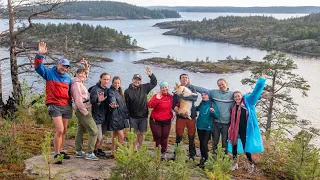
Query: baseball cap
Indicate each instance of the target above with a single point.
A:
(136, 76)
(64, 62)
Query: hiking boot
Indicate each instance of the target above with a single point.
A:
(57, 159)
(100, 153)
(251, 168)
(163, 156)
(65, 155)
(201, 164)
(92, 157)
(80, 154)
(234, 167)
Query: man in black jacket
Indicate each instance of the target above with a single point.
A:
(136, 99)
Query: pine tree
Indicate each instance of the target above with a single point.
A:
(302, 160)
(280, 107)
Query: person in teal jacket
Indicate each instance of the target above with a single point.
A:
(244, 123)
(207, 112)
(223, 98)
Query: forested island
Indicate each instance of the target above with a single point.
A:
(84, 36)
(221, 66)
(103, 10)
(295, 35)
(230, 9)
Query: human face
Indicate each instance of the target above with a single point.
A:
(61, 68)
(164, 89)
(104, 81)
(116, 83)
(184, 80)
(204, 97)
(222, 85)
(237, 97)
(82, 76)
(136, 82)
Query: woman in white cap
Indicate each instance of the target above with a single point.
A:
(161, 115)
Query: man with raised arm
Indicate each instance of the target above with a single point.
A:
(223, 98)
(136, 100)
(58, 97)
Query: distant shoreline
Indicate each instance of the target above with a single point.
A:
(219, 67)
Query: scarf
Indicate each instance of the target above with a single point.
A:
(234, 126)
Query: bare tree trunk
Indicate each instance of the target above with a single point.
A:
(269, 117)
(1, 100)
(13, 58)
(270, 108)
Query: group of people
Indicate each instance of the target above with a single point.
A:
(221, 112)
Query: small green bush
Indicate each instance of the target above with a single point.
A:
(179, 168)
(218, 166)
(136, 165)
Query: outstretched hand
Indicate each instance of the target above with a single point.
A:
(42, 48)
(113, 105)
(159, 95)
(85, 63)
(148, 71)
(101, 97)
(263, 74)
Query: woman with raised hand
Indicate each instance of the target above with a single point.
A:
(244, 123)
(83, 112)
(98, 99)
(160, 118)
(118, 115)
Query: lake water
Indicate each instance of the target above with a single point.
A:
(184, 49)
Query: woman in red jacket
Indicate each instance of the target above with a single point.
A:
(161, 115)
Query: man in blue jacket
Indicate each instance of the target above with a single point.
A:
(223, 98)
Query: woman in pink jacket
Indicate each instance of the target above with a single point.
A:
(83, 112)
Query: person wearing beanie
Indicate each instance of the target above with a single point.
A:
(161, 116)
(208, 111)
(223, 98)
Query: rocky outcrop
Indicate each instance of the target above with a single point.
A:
(221, 66)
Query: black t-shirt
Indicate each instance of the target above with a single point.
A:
(243, 118)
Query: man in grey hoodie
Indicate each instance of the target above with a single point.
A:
(223, 98)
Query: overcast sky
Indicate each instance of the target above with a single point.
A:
(243, 3)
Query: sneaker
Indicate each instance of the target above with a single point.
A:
(65, 155)
(163, 156)
(80, 154)
(100, 153)
(234, 167)
(251, 168)
(92, 157)
(57, 159)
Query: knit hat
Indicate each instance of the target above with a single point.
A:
(163, 83)
(206, 92)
